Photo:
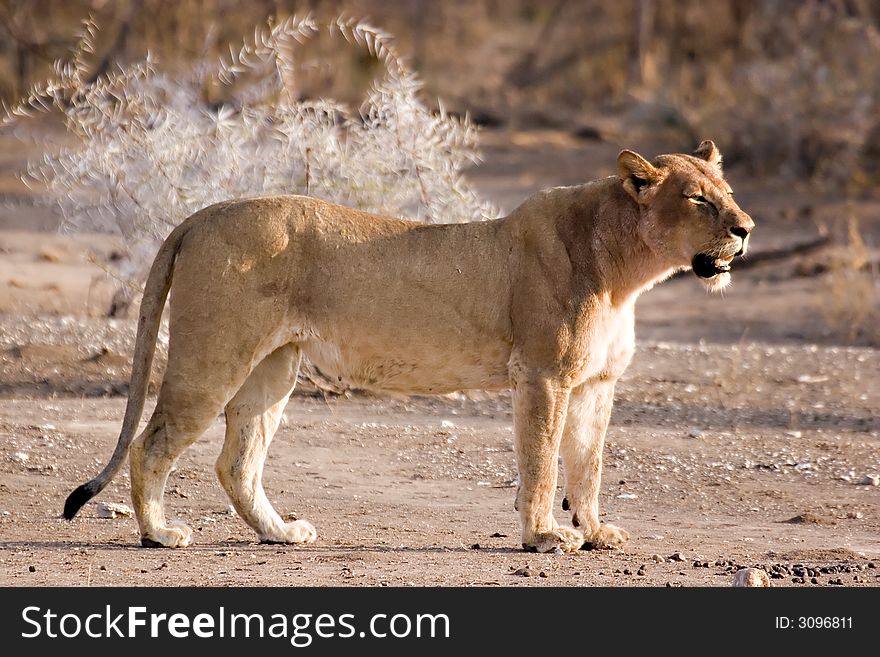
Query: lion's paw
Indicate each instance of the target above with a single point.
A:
(563, 538)
(298, 531)
(607, 537)
(175, 535)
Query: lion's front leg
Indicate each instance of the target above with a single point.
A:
(583, 440)
(539, 415)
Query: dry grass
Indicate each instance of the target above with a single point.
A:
(850, 298)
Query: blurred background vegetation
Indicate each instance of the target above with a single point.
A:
(790, 88)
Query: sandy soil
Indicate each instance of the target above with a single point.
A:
(740, 435)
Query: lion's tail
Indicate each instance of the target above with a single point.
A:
(149, 320)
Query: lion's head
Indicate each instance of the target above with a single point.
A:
(688, 215)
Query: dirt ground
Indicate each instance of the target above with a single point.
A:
(741, 435)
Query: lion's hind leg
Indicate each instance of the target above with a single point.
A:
(153, 453)
(252, 418)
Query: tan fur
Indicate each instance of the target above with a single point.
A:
(540, 301)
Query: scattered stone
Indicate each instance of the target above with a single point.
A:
(807, 378)
(20, 457)
(793, 434)
(658, 558)
(627, 571)
(50, 254)
(627, 496)
(808, 518)
(113, 510)
(475, 546)
(558, 551)
(751, 577)
(673, 584)
(870, 480)
(855, 515)
(696, 433)
(542, 574)
(103, 568)
(813, 580)
(447, 425)
(798, 580)
(525, 571)
(32, 569)
(642, 571)
(675, 556)
(836, 582)
(230, 510)
(498, 535)
(5, 513)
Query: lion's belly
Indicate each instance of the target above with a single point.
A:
(409, 369)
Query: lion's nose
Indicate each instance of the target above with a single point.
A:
(741, 231)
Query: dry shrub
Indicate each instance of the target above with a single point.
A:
(149, 151)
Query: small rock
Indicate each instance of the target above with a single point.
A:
(627, 571)
(525, 571)
(658, 558)
(836, 582)
(870, 480)
(676, 556)
(627, 496)
(230, 510)
(20, 457)
(113, 510)
(475, 546)
(855, 515)
(32, 569)
(446, 424)
(5, 513)
(793, 434)
(798, 580)
(808, 518)
(696, 433)
(642, 571)
(498, 535)
(558, 551)
(813, 580)
(542, 574)
(751, 577)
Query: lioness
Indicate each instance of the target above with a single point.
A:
(540, 301)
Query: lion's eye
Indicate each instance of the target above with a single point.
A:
(697, 199)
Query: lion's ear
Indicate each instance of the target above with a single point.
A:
(636, 172)
(707, 150)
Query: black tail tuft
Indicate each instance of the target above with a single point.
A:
(77, 499)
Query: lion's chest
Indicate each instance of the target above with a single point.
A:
(605, 347)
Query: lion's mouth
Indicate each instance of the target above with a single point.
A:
(707, 266)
